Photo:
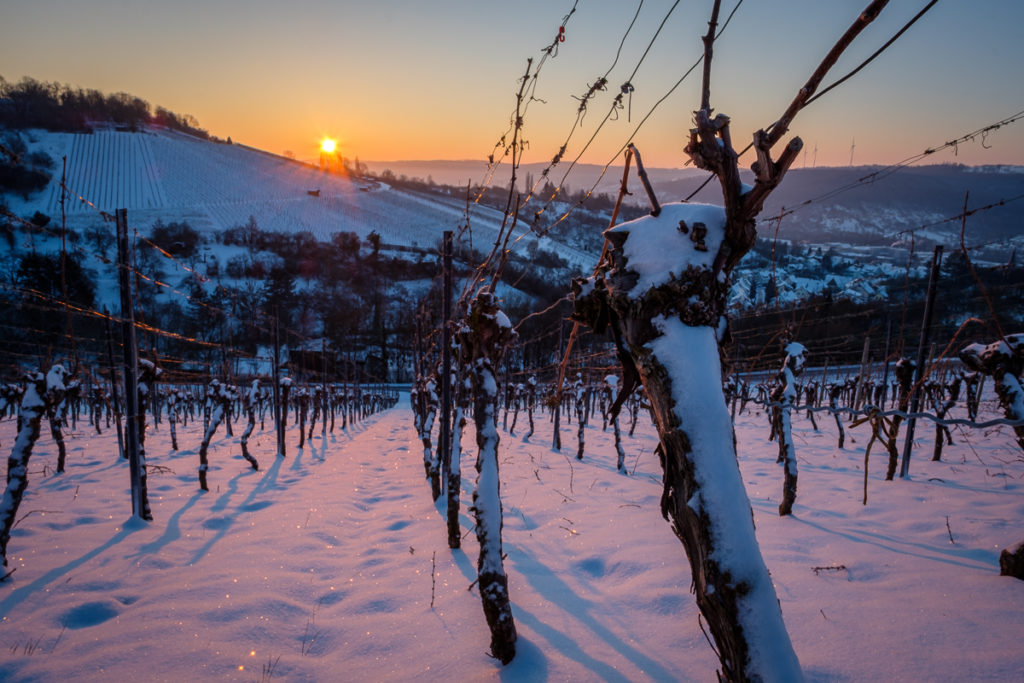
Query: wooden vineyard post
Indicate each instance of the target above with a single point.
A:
(280, 412)
(862, 377)
(885, 372)
(286, 389)
(556, 437)
(136, 464)
(926, 327)
(450, 456)
(531, 398)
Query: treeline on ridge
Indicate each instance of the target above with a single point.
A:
(59, 107)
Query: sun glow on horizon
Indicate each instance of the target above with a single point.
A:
(328, 146)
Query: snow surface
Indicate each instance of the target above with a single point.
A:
(320, 565)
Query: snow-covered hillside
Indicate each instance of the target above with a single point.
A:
(160, 174)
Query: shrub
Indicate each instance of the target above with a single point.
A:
(178, 239)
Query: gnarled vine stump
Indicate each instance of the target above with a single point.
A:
(664, 300)
(483, 337)
(1004, 361)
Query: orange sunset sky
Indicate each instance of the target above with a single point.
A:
(405, 79)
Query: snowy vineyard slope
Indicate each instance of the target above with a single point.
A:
(171, 176)
(323, 565)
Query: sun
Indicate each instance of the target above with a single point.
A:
(328, 145)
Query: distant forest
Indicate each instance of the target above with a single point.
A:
(58, 107)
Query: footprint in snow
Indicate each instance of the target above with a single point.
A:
(90, 614)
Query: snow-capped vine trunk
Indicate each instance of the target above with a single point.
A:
(55, 416)
(531, 398)
(785, 395)
(462, 388)
(905, 376)
(286, 389)
(833, 397)
(41, 393)
(974, 384)
(146, 383)
(581, 413)
(811, 398)
(610, 413)
(942, 433)
(251, 400)
(1004, 361)
(431, 459)
(172, 417)
(484, 337)
(662, 289)
(217, 400)
(517, 397)
(316, 402)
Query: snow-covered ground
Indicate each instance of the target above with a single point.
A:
(332, 563)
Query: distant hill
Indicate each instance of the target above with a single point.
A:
(583, 176)
(860, 206)
(867, 206)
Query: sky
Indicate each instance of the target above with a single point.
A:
(406, 79)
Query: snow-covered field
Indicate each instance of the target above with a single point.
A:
(332, 563)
